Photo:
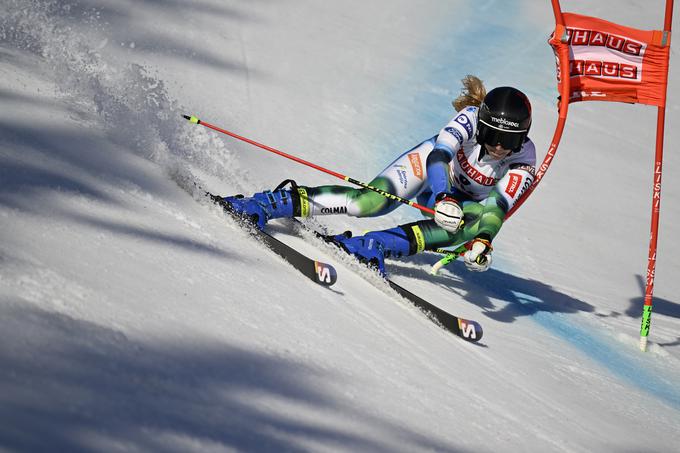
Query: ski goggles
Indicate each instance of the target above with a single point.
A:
(489, 135)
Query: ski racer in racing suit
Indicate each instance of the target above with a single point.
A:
(471, 173)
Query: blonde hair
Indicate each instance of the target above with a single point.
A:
(472, 93)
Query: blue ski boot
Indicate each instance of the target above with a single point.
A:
(264, 206)
(373, 247)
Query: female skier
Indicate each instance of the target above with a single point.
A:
(471, 173)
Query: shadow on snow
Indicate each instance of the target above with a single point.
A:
(660, 306)
(73, 385)
(522, 297)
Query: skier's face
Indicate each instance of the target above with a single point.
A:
(496, 152)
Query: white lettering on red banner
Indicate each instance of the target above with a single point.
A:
(599, 54)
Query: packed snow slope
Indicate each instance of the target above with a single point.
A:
(136, 318)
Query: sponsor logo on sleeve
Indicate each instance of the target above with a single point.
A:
(403, 177)
(513, 185)
(416, 164)
(456, 133)
(464, 121)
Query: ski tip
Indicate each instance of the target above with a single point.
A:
(325, 273)
(470, 330)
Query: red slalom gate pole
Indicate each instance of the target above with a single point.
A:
(558, 42)
(391, 196)
(656, 206)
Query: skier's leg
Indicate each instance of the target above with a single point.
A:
(405, 177)
(413, 238)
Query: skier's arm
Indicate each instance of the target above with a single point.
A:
(438, 170)
(449, 141)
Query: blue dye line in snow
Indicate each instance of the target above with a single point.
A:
(638, 370)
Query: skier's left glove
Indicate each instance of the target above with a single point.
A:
(478, 258)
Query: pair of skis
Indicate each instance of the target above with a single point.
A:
(326, 275)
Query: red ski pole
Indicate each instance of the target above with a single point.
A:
(195, 120)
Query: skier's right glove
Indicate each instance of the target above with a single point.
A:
(478, 258)
(447, 212)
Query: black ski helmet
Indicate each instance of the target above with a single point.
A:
(504, 118)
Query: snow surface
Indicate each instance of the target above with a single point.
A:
(135, 319)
